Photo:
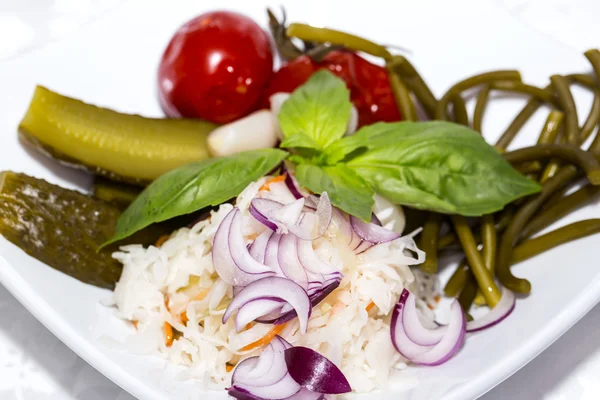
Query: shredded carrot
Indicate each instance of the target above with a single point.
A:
(161, 240)
(438, 298)
(135, 323)
(184, 318)
(169, 337)
(272, 180)
(263, 341)
(369, 306)
(228, 367)
(248, 326)
(430, 306)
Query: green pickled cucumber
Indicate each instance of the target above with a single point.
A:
(117, 193)
(63, 228)
(122, 147)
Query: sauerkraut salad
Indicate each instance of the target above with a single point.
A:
(176, 298)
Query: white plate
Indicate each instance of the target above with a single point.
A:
(112, 62)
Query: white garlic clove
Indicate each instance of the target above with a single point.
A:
(255, 131)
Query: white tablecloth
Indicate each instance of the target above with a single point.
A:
(35, 365)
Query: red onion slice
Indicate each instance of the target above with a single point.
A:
(239, 252)
(260, 209)
(272, 288)
(305, 394)
(282, 389)
(413, 327)
(223, 260)
(287, 313)
(437, 354)
(259, 246)
(502, 310)
(292, 183)
(289, 263)
(342, 223)
(324, 212)
(291, 218)
(363, 246)
(272, 250)
(310, 261)
(371, 232)
(286, 215)
(268, 375)
(315, 372)
(257, 376)
(255, 309)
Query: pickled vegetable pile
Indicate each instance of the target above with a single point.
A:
(338, 131)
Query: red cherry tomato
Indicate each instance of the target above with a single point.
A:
(215, 67)
(370, 90)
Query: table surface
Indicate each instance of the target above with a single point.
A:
(35, 365)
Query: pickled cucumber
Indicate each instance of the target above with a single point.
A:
(63, 228)
(122, 147)
(117, 193)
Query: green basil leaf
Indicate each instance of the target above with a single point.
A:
(439, 166)
(319, 109)
(194, 186)
(378, 135)
(299, 140)
(345, 188)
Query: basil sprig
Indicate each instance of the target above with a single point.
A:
(438, 166)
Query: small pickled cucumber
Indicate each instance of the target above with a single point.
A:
(64, 228)
(122, 147)
(117, 193)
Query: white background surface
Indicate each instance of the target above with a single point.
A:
(34, 365)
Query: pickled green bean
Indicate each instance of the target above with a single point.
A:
(402, 96)
(595, 146)
(549, 135)
(520, 87)
(522, 216)
(441, 111)
(489, 242)
(582, 79)
(528, 167)
(566, 234)
(551, 128)
(480, 106)
(458, 279)
(567, 103)
(520, 120)
(592, 119)
(568, 153)
(485, 281)
(415, 83)
(581, 197)
(488, 252)
(459, 109)
(593, 57)
(335, 37)
(430, 242)
(467, 295)
(502, 221)
(552, 167)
